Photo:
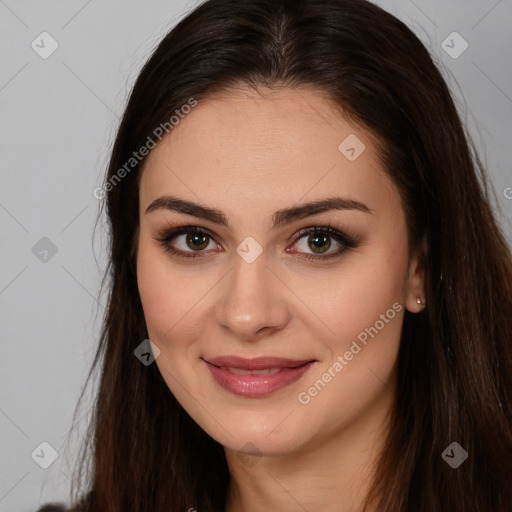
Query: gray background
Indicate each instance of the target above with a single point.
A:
(59, 117)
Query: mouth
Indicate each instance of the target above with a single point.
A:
(257, 377)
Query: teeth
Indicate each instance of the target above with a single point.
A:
(266, 371)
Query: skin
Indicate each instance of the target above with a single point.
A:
(250, 154)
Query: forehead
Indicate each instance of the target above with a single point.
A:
(256, 148)
(267, 125)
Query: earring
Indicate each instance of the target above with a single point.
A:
(419, 301)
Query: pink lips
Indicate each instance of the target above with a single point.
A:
(256, 377)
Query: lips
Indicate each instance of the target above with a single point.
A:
(257, 377)
(256, 363)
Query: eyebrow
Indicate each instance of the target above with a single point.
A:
(280, 217)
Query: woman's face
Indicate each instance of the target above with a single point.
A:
(253, 283)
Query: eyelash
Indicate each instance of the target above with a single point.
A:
(348, 242)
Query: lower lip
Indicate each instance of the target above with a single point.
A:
(253, 385)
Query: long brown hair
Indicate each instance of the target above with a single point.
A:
(455, 360)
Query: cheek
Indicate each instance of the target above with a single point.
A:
(362, 300)
(174, 300)
(157, 290)
(363, 307)
(157, 303)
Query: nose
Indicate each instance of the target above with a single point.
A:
(253, 302)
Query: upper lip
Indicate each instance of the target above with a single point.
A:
(256, 363)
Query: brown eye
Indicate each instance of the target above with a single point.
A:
(319, 243)
(186, 241)
(314, 243)
(197, 241)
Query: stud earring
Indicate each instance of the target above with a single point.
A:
(419, 301)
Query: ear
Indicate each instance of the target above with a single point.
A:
(415, 290)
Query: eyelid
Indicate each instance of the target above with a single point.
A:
(347, 241)
(342, 238)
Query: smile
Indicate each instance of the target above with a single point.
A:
(240, 371)
(257, 377)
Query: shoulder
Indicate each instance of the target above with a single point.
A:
(60, 507)
(84, 504)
